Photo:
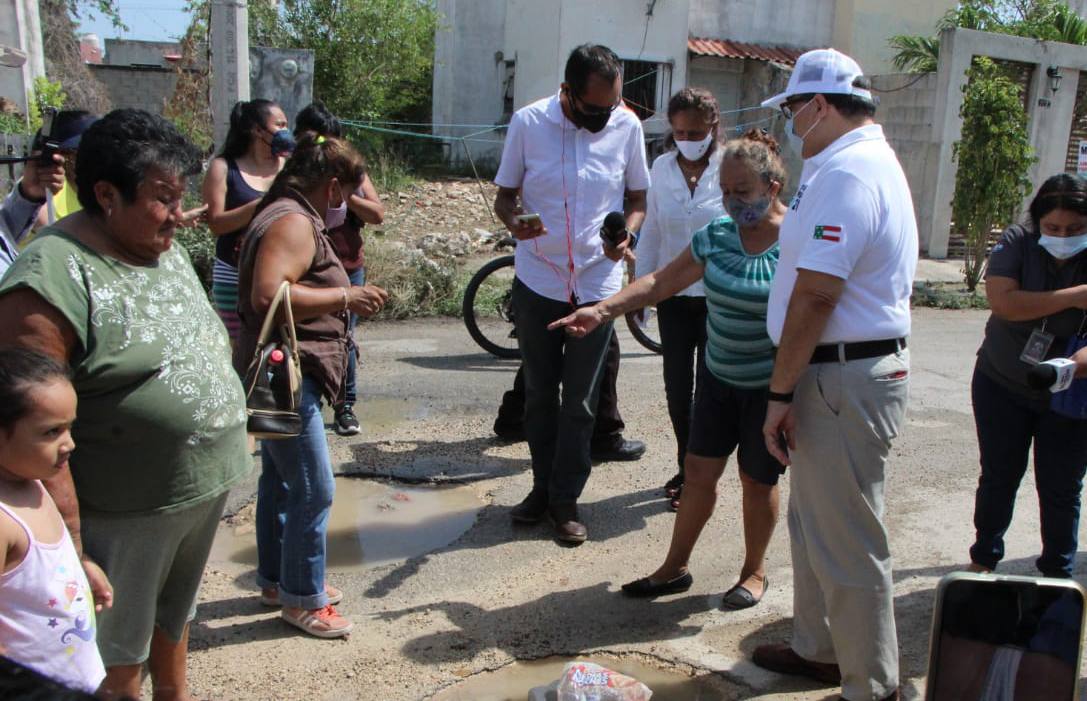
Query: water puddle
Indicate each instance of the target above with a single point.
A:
(514, 681)
(372, 524)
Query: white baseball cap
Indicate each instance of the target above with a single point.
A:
(822, 71)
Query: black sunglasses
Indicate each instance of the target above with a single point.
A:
(786, 107)
(594, 110)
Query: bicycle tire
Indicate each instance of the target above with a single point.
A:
(640, 336)
(469, 311)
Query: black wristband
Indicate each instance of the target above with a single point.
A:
(785, 397)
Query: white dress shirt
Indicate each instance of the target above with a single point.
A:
(673, 214)
(572, 178)
(852, 217)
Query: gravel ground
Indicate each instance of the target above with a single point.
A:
(497, 593)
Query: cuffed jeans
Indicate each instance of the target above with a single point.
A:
(294, 497)
(1007, 425)
(683, 341)
(843, 596)
(351, 394)
(558, 430)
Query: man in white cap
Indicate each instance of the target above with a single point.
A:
(839, 312)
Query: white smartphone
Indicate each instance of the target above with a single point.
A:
(1005, 637)
(533, 219)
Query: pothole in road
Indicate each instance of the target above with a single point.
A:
(514, 681)
(371, 524)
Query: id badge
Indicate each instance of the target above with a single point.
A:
(1037, 346)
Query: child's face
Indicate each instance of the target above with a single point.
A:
(39, 444)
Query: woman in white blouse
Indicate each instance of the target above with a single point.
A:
(684, 197)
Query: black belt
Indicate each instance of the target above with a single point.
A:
(835, 352)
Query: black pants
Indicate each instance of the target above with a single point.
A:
(1007, 426)
(608, 427)
(683, 337)
(558, 426)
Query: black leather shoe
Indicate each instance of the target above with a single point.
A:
(645, 589)
(619, 450)
(565, 522)
(530, 510)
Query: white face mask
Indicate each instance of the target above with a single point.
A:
(1063, 247)
(693, 150)
(796, 141)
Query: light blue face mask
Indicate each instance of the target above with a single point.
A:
(1063, 247)
(796, 142)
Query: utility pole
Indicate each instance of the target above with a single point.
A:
(229, 61)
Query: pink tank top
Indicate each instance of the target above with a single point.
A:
(47, 614)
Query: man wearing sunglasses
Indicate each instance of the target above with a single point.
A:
(571, 159)
(839, 313)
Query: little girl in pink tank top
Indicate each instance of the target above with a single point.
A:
(47, 611)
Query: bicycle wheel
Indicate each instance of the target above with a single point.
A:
(645, 331)
(487, 308)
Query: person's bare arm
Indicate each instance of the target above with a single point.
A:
(681, 273)
(221, 220)
(506, 209)
(286, 252)
(814, 298)
(634, 209)
(367, 205)
(1010, 303)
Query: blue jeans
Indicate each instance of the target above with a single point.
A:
(357, 277)
(294, 497)
(1007, 426)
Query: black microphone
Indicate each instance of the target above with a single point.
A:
(614, 230)
(1056, 375)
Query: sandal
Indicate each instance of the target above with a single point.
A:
(673, 503)
(740, 597)
(672, 486)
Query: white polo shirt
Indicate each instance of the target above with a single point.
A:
(673, 214)
(572, 178)
(852, 217)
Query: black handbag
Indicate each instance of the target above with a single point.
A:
(273, 382)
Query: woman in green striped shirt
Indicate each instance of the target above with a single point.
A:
(735, 257)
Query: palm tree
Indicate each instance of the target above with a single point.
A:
(915, 54)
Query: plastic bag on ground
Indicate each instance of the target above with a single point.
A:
(585, 681)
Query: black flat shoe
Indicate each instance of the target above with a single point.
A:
(645, 589)
(738, 598)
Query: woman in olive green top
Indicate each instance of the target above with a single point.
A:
(161, 431)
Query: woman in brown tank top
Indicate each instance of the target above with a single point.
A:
(286, 241)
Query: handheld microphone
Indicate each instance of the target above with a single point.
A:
(614, 230)
(1056, 375)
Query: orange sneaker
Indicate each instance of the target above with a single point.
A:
(323, 623)
(269, 596)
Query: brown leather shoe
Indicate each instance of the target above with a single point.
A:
(567, 528)
(780, 658)
(530, 510)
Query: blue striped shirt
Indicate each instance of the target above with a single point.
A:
(739, 351)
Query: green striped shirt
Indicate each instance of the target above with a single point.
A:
(737, 284)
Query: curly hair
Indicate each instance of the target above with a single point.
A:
(761, 153)
(316, 160)
(122, 146)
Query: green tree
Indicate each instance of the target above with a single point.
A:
(993, 156)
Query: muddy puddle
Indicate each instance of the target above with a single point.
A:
(513, 682)
(372, 524)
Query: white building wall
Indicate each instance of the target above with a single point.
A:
(872, 23)
(802, 23)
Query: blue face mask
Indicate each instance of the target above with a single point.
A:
(282, 143)
(747, 213)
(1063, 247)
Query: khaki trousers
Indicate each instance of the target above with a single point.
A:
(847, 413)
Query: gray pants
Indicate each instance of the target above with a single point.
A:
(843, 602)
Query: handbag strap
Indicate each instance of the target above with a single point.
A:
(282, 297)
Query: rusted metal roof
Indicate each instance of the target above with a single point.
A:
(737, 49)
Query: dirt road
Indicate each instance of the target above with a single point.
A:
(495, 593)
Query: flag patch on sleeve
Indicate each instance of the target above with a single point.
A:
(824, 232)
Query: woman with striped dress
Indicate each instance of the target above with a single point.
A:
(233, 187)
(735, 257)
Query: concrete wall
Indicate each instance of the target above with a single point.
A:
(906, 116)
(128, 52)
(802, 23)
(864, 27)
(141, 87)
(20, 27)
